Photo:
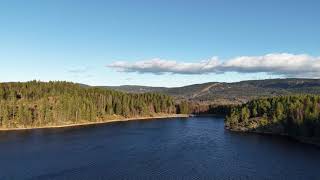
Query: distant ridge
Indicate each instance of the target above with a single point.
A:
(136, 89)
(230, 93)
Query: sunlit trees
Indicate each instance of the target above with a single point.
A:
(36, 103)
(297, 115)
(183, 107)
(245, 114)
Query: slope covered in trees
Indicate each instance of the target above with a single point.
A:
(296, 116)
(233, 93)
(38, 104)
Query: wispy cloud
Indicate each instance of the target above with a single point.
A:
(78, 70)
(81, 72)
(289, 65)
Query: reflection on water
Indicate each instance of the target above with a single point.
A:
(175, 148)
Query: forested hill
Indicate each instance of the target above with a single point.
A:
(38, 104)
(233, 93)
(296, 116)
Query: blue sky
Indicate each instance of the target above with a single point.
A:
(80, 41)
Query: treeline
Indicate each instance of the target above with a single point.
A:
(292, 115)
(198, 108)
(35, 104)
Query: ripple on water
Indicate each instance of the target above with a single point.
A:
(193, 148)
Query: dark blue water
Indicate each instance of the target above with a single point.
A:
(179, 148)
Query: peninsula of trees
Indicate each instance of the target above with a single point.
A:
(40, 104)
(296, 116)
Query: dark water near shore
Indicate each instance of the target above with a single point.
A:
(178, 148)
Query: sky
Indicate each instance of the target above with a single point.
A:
(158, 43)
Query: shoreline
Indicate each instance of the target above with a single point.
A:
(98, 122)
(303, 140)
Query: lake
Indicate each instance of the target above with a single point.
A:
(172, 148)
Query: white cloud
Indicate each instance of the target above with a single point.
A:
(159, 66)
(289, 65)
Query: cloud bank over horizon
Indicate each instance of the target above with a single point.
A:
(283, 64)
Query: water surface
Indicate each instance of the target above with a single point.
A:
(173, 148)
